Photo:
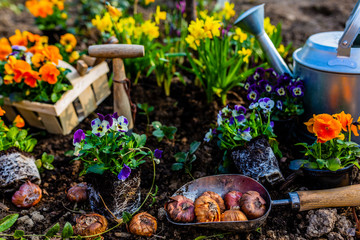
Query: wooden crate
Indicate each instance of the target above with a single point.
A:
(75, 105)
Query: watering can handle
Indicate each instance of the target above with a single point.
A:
(351, 31)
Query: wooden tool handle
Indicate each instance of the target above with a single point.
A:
(117, 51)
(336, 197)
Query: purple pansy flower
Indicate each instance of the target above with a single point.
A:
(158, 153)
(231, 121)
(124, 173)
(239, 108)
(99, 128)
(18, 48)
(240, 118)
(266, 104)
(115, 115)
(268, 88)
(297, 91)
(272, 124)
(280, 91)
(101, 117)
(79, 135)
(279, 104)
(245, 134)
(109, 119)
(247, 86)
(253, 95)
(253, 105)
(120, 124)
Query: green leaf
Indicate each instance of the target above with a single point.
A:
(180, 156)
(194, 146)
(18, 234)
(55, 97)
(8, 221)
(126, 217)
(322, 163)
(97, 168)
(12, 133)
(297, 164)
(201, 237)
(334, 164)
(158, 134)
(69, 153)
(67, 231)
(53, 230)
(38, 163)
(156, 124)
(177, 166)
(48, 166)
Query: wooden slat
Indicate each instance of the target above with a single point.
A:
(88, 101)
(31, 118)
(10, 112)
(51, 123)
(80, 84)
(32, 106)
(68, 119)
(101, 87)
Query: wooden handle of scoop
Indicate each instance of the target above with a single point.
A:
(336, 197)
(116, 51)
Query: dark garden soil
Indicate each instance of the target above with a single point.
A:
(187, 110)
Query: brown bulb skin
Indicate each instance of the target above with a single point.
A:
(232, 200)
(180, 209)
(143, 224)
(77, 193)
(28, 195)
(217, 198)
(90, 224)
(233, 215)
(253, 205)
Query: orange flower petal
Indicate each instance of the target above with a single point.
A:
(19, 121)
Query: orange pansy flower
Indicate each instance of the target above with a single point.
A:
(38, 59)
(19, 121)
(49, 73)
(19, 39)
(310, 124)
(30, 78)
(5, 48)
(52, 53)
(40, 8)
(8, 79)
(345, 120)
(69, 41)
(20, 68)
(32, 37)
(9, 66)
(2, 112)
(326, 127)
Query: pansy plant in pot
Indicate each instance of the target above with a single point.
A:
(248, 140)
(329, 160)
(285, 91)
(111, 155)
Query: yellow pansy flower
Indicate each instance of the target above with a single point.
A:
(147, 2)
(269, 28)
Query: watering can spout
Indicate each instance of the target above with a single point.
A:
(252, 21)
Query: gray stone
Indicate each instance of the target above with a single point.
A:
(335, 236)
(37, 217)
(345, 227)
(25, 223)
(321, 222)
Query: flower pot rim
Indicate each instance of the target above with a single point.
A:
(327, 170)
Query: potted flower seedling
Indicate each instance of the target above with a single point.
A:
(328, 162)
(248, 140)
(16, 165)
(111, 158)
(285, 91)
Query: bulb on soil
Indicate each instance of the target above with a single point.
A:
(27, 196)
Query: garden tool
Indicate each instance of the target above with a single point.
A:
(329, 64)
(300, 200)
(122, 102)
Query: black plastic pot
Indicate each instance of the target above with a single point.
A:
(323, 179)
(285, 130)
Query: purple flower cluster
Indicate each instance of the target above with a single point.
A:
(267, 83)
(181, 6)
